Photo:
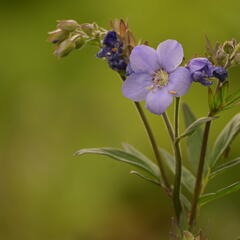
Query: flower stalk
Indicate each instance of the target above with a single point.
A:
(154, 145)
(198, 184)
(178, 167)
(174, 133)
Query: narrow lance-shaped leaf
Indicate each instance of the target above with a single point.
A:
(225, 138)
(145, 177)
(126, 157)
(188, 179)
(221, 168)
(220, 193)
(192, 127)
(233, 98)
(194, 141)
(131, 149)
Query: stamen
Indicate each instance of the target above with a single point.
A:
(160, 79)
(172, 92)
(114, 49)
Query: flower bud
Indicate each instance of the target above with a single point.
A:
(221, 55)
(80, 42)
(67, 25)
(220, 73)
(237, 58)
(229, 46)
(88, 28)
(65, 48)
(57, 36)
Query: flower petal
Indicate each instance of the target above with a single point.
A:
(135, 86)
(158, 100)
(197, 64)
(144, 59)
(179, 81)
(170, 54)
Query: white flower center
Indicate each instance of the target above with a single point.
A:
(160, 79)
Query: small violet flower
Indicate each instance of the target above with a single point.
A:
(154, 75)
(113, 51)
(202, 69)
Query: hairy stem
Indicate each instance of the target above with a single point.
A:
(198, 184)
(173, 133)
(178, 167)
(153, 141)
(154, 144)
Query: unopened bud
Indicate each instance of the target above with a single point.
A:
(229, 46)
(237, 58)
(221, 55)
(80, 42)
(88, 28)
(57, 36)
(67, 25)
(65, 48)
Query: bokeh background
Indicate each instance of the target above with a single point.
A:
(50, 108)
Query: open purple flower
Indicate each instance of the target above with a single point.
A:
(156, 76)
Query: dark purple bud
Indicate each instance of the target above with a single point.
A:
(220, 73)
(111, 39)
(112, 50)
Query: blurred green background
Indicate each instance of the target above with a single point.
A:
(50, 108)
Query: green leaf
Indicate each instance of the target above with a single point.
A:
(224, 91)
(185, 202)
(233, 98)
(196, 124)
(188, 179)
(145, 177)
(220, 193)
(225, 138)
(130, 149)
(219, 169)
(123, 156)
(194, 141)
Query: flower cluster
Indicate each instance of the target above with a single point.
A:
(112, 50)
(202, 70)
(152, 75)
(70, 35)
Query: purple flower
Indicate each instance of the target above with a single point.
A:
(201, 69)
(112, 50)
(220, 73)
(156, 76)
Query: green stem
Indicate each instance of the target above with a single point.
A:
(178, 168)
(153, 141)
(198, 184)
(154, 145)
(168, 126)
(173, 133)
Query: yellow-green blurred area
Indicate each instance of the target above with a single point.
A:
(50, 108)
